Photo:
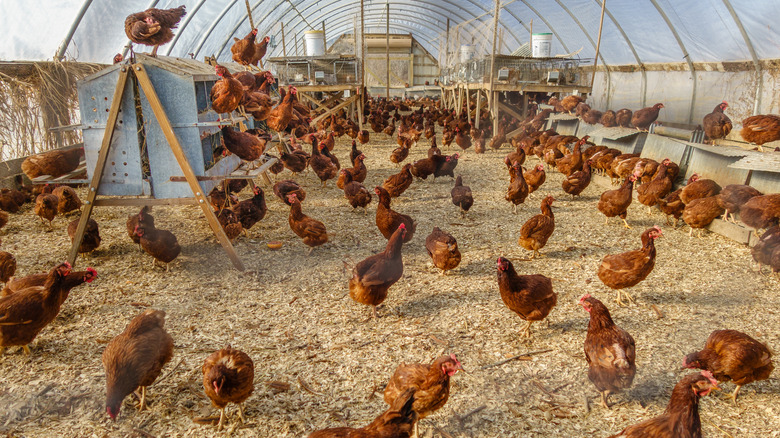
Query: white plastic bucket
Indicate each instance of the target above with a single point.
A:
(315, 42)
(467, 52)
(541, 45)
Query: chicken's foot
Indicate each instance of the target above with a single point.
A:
(310, 250)
(625, 224)
(605, 398)
(514, 208)
(526, 331)
(26, 349)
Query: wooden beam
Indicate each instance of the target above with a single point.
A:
(334, 109)
(140, 202)
(387, 46)
(181, 158)
(508, 109)
(94, 185)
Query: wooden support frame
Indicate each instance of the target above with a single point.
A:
(162, 118)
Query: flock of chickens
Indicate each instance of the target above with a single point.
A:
(135, 358)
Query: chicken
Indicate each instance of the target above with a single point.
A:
(735, 356)
(499, 139)
(425, 167)
(431, 382)
(396, 422)
(228, 377)
(388, 220)
(67, 199)
(518, 156)
(518, 188)
(372, 277)
(91, 239)
(620, 271)
(530, 296)
(144, 219)
(355, 192)
(759, 129)
(287, 186)
(536, 230)
(243, 50)
(615, 202)
(761, 211)
(54, 163)
(673, 206)
(152, 27)
(578, 181)
(9, 202)
(162, 245)
(443, 249)
(764, 250)
(462, 139)
(592, 116)
(573, 162)
(570, 102)
(642, 119)
(219, 198)
(7, 266)
(363, 137)
(399, 154)
(732, 197)
(226, 93)
(72, 279)
(461, 196)
(230, 223)
(296, 162)
(244, 145)
(534, 178)
(312, 231)
(355, 152)
(609, 350)
(716, 124)
(609, 119)
(681, 417)
(253, 210)
(46, 207)
(136, 358)
(281, 116)
(623, 117)
(398, 183)
(260, 50)
(701, 212)
(320, 164)
(650, 193)
(698, 188)
(24, 313)
(447, 168)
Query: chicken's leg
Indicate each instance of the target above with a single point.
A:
(735, 393)
(605, 398)
(2, 351)
(241, 413)
(514, 208)
(606, 220)
(221, 418)
(154, 51)
(374, 314)
(142, 404)
(26, 349)
(526, 331)
(625, 224)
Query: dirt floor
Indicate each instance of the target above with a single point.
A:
(292, 314)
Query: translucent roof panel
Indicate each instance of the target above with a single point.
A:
(635, 31)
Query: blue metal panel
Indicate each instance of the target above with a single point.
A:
(177, 95)
(658, 148)
(122, 175)
(765, 182)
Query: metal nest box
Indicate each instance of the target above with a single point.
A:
(141, 162)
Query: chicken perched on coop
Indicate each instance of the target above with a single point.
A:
(91, 239)
(701, 212)
(623, 117)
(537, 230)
(243, 50)
(46, 207)
(73, 279)
(760, 129)
(388, 220)
(312, 231)
(143, 218)
(432, 384)
(226, 94)
(162, 245)
(609, 350)
(642, 119)
(24, 313)
(681, 417)
(621, 271)
(398, 183)
(396, 422)
(153, 27)
(228, 377)
(570, 102)
(615, 202)
(54, 163)
(518, 188)
(716, 124)
(244, 145)
(609, 119)
(7, 266)
(735, 356)
(443, 249)
(135, 358)
(372, 277)
(282, 114)
(461, 196)
(578, 181)
(355, 192)
(530, 296)
(260, 50)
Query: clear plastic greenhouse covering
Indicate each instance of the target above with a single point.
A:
(635, 31)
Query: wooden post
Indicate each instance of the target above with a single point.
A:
(447, 44)
(387, 47)
(284, 42)
(598, 44)
(531, 36)
(324, 40)
(492, 97)
(249, 14)
(479, 109)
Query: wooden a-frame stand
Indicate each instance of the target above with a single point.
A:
(198, 198)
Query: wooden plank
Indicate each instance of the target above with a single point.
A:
(334, 109)
(329, 88)
(46, 179)
(140, 202)
(94, 185)
(173, 142)
(508, 109)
